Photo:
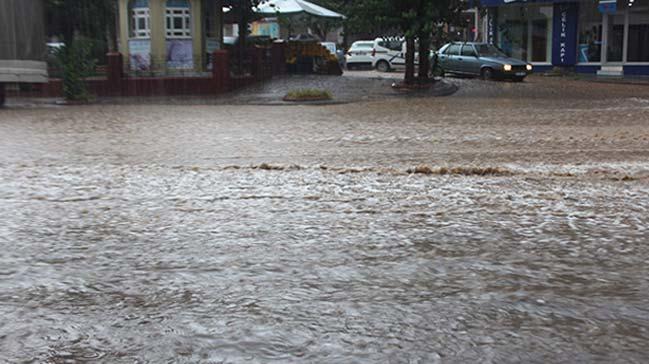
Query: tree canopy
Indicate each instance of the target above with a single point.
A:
(415, 20)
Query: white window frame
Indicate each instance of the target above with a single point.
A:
(625, 46)
(173, 13)
(138, 14)
(626, 36)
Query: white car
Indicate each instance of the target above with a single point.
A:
(389, 54)
(360, 54)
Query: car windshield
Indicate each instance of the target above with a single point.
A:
(487, 50)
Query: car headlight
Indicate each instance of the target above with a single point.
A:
(507, 67)
(529, 67)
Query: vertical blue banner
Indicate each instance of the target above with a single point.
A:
(564, 34)
(492, 25)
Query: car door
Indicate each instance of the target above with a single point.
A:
(468, 60)
(448, 58)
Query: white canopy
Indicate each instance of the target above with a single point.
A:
(288, 7)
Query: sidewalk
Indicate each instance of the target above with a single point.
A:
(626, 80)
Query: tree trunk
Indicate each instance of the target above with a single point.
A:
(410, 61)
(424, 60)
(2, 94)
(243, 34)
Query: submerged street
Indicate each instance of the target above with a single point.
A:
(506, 223)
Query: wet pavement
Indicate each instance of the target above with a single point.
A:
(506, 223)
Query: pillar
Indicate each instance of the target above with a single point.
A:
(221, 70)
(124, 27)
(157, 13)
(198, 37)
(114, 73)
(279, 58)
(219, 22)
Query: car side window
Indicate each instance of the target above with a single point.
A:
(468, 51)
(392, 45)
(362, 46)
(453, 50)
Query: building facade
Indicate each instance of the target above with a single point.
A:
(605, 37)
(22, 42)
(167, 36)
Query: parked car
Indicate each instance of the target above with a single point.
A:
(388, 54)
(481, 59)
(360, 54)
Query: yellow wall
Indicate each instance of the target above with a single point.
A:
(158, 32)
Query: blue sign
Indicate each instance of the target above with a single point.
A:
(607, 6)
(492, 31)
(564, 34)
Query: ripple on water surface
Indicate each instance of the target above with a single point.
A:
(116, 263)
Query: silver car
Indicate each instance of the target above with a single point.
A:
(481, 59)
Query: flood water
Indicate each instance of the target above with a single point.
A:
(241, 234)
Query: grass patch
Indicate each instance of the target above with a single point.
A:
(308, 95)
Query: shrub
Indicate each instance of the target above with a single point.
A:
(75, 62)
(308, 94)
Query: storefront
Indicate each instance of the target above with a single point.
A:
(169, 36)
(607, 37)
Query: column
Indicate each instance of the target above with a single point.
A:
(198, 38)
(625, 46)
(564, 34)
(158, 35)
(219, 22)
(124, 28)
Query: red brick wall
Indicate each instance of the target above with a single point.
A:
(116, 84)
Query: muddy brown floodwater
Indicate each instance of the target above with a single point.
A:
(250, 234)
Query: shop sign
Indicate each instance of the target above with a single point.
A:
(491, 25)
(564, 52)
(607, 6)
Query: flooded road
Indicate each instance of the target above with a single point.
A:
(472, 228)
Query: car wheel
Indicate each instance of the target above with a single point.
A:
(383, 66)
(487, 74)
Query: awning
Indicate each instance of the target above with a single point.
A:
(292, 7)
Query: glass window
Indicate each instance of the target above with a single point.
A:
(468, 51)
(488, 50)
(363, 45)
(615, 42)
(589, 48)
(140, 22)
(525, 32)
(453, 50)
(638, 49)
(394, 45)
(178, 23)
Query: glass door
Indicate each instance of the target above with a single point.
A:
(614, 25)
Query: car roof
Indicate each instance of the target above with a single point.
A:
(469, 43)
